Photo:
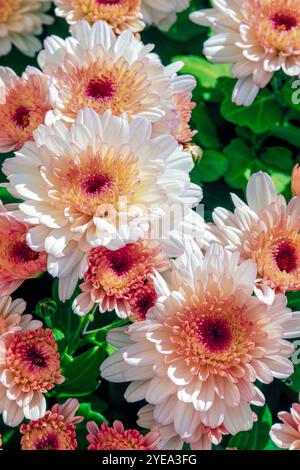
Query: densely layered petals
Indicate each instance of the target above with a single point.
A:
(121, 280)
(286, 434)
(117, 437)
(12, 317)
(102, 182)
(96, 69)
(259, 37)
(24, 102)
(204, 345)
(120, 14)
(265, 231)
(29, 367)
(162, 13)
(55, 431)
(18, 261)
(20, 22)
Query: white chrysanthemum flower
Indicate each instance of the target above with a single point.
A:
(101, 182)
(162, 13)
(96, 69)
(204, 345)
(259, 37)
(20, 22)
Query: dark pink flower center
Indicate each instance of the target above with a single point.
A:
(122, 260)
(144, 302)
(284, 22)
(108, 2)
(95, 184)
(22, 253)
(101, 89)
(215, 333)
(35, 357)
(285, 256)
(22, 117)
(49, 442)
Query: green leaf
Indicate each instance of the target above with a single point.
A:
(289, 133)
(261, 117)
(82, 374)
(240, 163)
(212, 166)
(205, 72)
(280, 158)
(258, 437)
(207, 135)
(89, 414)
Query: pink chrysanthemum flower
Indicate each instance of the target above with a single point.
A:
(30, 367)
(266, 231)
(12, 317)
(121, 279)
(24, 102)
(20, 22)
(99, 183)
(162, 13)
(204, 345)
(287, 434)
(117, 438)
(202, 438)
(259, 37)
(55, 431)
(120, 14)
(296, 181)
(17, 260)
(102, 71)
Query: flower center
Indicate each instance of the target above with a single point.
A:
(144, 299)
(101, 89)
(21, 253)
(121, 260)
(285, 256)
(284, 22)
(35, 357)
(214, 333)
(95, 184)
(49, 442)
(22, 117)
(108, 2)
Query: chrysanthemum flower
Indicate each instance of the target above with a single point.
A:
(266, 231)
(120, 14)
(202, 438)
(287, 434)
(99, 183)
(12, 317)
(162, 13)
(18, 261)
(117, 438)
(259, 37)
(20, 22)
(296, 181)
(95, 69)
(55, 431)
(30, 367)
(24, 102)
(122, 279)
(204, 345)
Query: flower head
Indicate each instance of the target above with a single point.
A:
(30, 367)
(117, 438)
(204, 344)
(266, 231)
(122, 279)
(12, 317)
(162, 13)
(21, 21)
(17, 261)
(99, 183)
(286, 435)
(259, 37)
(102, 71)
(202, 438)
(120, 14)
(55, 431)
(24, 102)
